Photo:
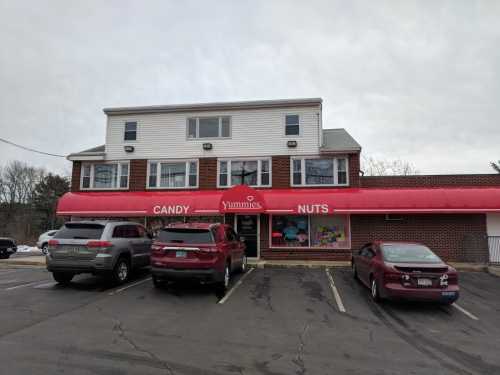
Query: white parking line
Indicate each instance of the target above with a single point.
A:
(23, 285)
(129, 286)
(45, 285)
(336, 294)
(231, 291)
(461, 309)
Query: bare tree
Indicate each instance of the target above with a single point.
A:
(381, 167)
(496, 166)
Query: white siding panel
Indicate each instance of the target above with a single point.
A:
(256, 132)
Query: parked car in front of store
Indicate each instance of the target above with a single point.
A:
(8, 247)
(43, 240)
(206, 252)
(403, 270)
(110, 248)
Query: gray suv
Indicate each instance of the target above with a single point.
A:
(99, 247)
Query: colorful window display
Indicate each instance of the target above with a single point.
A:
(330, 232)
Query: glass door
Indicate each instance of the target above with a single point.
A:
(247, 227)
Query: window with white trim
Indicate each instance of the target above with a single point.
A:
(130, 133)
(292, 125)
(173, 174)
(104, 176)
(319, 171)
(251, 172)
(208, 127)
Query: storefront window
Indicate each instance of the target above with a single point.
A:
(331, 232)
(172, 175)
(105, 176)
(319, 171)
(244, 172)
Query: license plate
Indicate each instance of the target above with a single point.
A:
(424, 282)
(448, 294)
(180, 254)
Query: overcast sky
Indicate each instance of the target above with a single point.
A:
(418, 80)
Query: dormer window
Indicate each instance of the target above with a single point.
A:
(292, 125)
(209, 127)
(130, 131)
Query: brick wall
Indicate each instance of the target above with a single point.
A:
(281, 172)
(138, 174)
(431, 180)
(75, 175)
(208, 173)
(454, 237)
(354, 180)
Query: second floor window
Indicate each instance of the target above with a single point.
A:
(130, 131)
(292, 126)
(319, 171)
(102, 176)
(248, 172)
(173, 174)
(209, 127)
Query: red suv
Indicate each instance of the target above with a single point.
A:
(201, 251)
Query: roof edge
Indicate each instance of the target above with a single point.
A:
(252, 104)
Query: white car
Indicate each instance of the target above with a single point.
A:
(43, 240)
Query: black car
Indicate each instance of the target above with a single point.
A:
(7, 247)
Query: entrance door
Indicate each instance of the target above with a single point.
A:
(247, 227)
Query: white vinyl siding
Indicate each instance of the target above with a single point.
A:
(254, 132)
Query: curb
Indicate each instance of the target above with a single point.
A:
(298, 264)
(494, 270)
(25, 261)
(471, 267)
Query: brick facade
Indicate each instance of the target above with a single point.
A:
(75, 175)
(208, 173)
(430, 180)
(454, 237)
(281, 172)
(138, 174)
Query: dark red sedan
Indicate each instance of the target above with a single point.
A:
(403, 270)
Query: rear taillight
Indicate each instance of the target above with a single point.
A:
(99, 246)
(391, 277)
(53, 243)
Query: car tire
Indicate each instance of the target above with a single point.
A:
(354, 272)
(63, 278)
(4, 256)
(223, 286)
(45, 249)
(244, 264)
(157, 283)
(374, 290)
(121, 272)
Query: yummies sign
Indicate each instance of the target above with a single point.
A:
(242, 199)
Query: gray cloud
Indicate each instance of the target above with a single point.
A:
(416, 80)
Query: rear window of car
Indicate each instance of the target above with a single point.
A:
(408, 253)
(80, 231)
(185, 236)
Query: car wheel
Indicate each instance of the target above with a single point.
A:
(244, 264)
(374, 289)
(62, 277)
(121, 272)
(223, 285)
(45, 249)
(4, 256)
(157, 282)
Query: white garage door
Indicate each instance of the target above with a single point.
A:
(493, 229)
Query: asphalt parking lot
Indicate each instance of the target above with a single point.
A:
(275, 321)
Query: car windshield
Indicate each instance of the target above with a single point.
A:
(185, 235)
(408, 253)
(82, 231)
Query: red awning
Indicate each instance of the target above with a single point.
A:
(393, 200)
(292, 201)
(124, 204)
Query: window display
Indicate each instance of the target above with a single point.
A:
(310, 231)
